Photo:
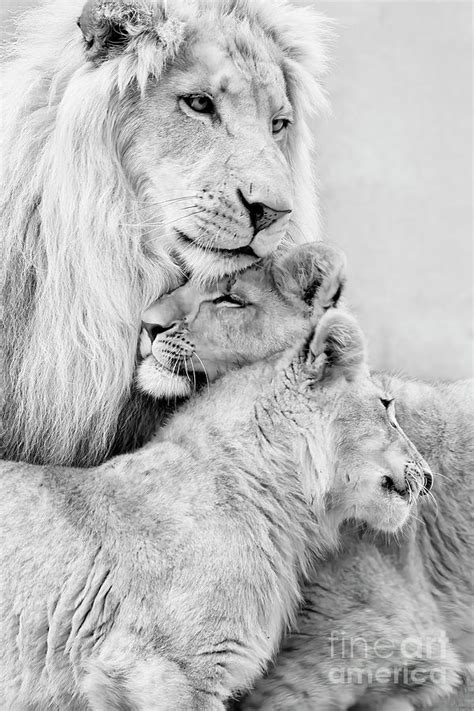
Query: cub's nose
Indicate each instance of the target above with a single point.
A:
(427, 478)
(412, 479)
(400, 487)
(261, 215)
(154, 329)
(428, 474)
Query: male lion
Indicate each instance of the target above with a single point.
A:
(155, 141)
(163, 579)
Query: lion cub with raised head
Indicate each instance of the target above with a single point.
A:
(164, 579)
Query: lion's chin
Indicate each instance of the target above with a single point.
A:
(159, 382)
(204, 265)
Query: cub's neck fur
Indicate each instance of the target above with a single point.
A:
(195, 454)
(224, 529)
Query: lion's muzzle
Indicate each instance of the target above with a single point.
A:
(262, 215)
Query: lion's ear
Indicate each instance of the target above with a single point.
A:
(314, 272)
(337, 346)
(108, 26)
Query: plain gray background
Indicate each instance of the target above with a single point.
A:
(396, 178)
(395, 167)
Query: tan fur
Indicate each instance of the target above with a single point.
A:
(165, 578)
(105, 168)
(412, 596)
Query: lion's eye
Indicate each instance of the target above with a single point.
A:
(230, 300)
(200, 103)
(279, 124)
(386, 403)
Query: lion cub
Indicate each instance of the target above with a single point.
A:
(164, 579)
(242, 319)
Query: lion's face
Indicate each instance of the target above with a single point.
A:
(209, 150)
(242, 319)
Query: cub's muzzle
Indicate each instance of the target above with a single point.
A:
(421, 473)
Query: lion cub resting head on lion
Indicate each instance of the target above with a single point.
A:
(165, 578)
(241, 319)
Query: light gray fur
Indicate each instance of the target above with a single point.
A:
(164, 579)
(416, 587)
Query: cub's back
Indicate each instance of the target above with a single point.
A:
(45, 557)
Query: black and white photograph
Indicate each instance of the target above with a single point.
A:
(236, 337)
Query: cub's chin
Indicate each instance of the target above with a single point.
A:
(159, 382)
(387, 514)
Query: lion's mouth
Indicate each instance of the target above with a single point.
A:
(245, 251)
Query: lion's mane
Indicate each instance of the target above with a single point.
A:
(76, 275)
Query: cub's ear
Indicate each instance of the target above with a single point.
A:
(109, 26)
(337, 347)
(314, 273)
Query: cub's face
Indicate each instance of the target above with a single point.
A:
(242, 319)
(377, 473)
(356, 461)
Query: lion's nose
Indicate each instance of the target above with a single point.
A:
(261, 215)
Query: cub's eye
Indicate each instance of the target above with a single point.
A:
(199, 103)
(389, 406)
(279, 125)
(230, 300)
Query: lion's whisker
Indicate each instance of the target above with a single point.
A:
(161, 223)
(177, 219)
(159, 203)
(163, 203)
(167, 224)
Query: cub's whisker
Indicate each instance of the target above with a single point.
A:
(204, 370)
